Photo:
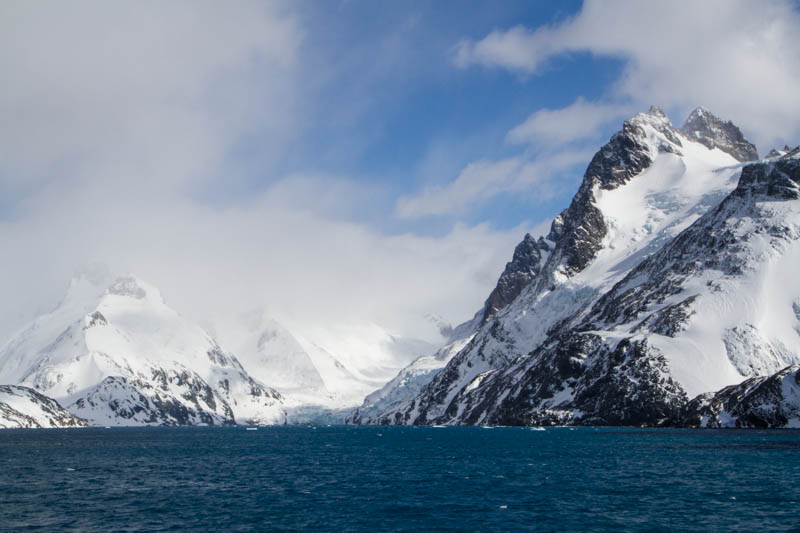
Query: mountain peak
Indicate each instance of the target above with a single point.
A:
(127, 286)
(656, 118)
(657, 113)
(704, 127)
(525, 266)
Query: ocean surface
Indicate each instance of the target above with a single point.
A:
(399, 479)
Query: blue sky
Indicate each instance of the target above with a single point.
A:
(349, 160)
(399, 113)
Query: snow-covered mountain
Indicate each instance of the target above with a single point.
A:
(22, 407)
(113, 353)
(759, 402)
(273, 355)
(525, 265)
(321, 371)
(670, 274)
(412, 378)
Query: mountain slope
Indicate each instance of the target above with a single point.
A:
(115, 353)
(759, 402)
(22, 407)
(273, 355)
(379, 406)
(621, 324)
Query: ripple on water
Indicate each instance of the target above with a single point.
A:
(409, 479)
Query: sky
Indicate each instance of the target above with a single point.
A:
(340, 161)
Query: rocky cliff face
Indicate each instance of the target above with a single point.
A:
(524, 267)
(661, 274)
(705, 128)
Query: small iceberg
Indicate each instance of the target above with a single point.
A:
(251, 429)
(537, 428)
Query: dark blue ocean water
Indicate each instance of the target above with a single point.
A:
(404, 479)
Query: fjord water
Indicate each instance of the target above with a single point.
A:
(399, 478)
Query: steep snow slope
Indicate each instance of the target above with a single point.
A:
(271, 354)
(22, 407)
(717, 304)
(641, 190)
(116, 353)
(354, 359)
(405, 386)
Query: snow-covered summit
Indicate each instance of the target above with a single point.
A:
(655, 289)
(120, 328)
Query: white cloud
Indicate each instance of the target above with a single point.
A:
(737, 58)
(304, 266)
(578, 121)
(517, 49)
(478, 180)
(483, 179)
(116, 116)
(151, 91)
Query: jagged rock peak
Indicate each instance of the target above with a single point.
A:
(525, 265)
(702, 126)
(579, 230)
(775, 153)
(655, 116)
(778, 178)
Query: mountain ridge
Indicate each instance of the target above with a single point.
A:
(559, 368)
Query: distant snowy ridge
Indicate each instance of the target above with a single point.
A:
(671, 274)
(114, 353)
(411, 379)
(23, 407)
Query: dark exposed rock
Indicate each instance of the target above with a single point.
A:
(578, 380)
(138, 401)
(670, 320)
(778, 153)
(712, 132)
(759, 402)
(518, 274)
(95, 319)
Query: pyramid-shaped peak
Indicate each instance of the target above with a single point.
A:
(656, 111)
(704, 127)
(775, 152)
(130, 286)
(127, 286)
